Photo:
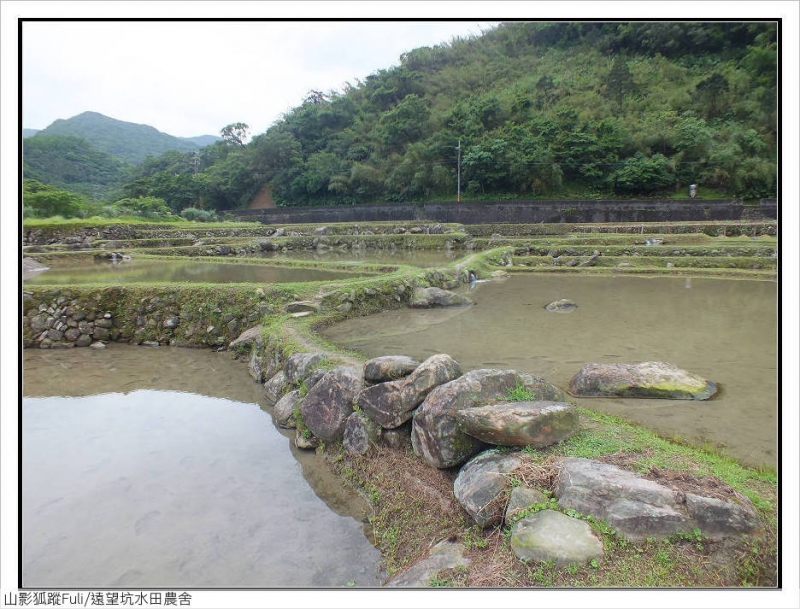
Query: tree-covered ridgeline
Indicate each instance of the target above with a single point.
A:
(541, 110)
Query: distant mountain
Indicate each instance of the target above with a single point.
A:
(202, 140)
(72, 163)
(130, 142)
(29, 132)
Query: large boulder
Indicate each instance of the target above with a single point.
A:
(360, 433)
(642, 380)
(481, 484)
(551, 535)
(382, 404)
(436, 370)
(436, 434)
(392, 403)
(426, 298)
(640, 508)
(328, 403)
(299, 366)
(389, 368)
(523, 423)
(635, 507)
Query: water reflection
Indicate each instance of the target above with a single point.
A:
(725, 330)
(419, 258)
(171, 488)
(176, 271)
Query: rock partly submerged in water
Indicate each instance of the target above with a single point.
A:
(426, 298)
(562, 306)
(642, 380)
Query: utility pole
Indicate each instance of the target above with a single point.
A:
(459, 171)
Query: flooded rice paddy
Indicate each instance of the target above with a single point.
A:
(725, 330)
(180, 271)
(160, 467)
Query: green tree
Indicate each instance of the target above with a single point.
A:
(619, 83)
(710, 92)
(642, 175)
(148, 207)
(235, 133)
(43, 201)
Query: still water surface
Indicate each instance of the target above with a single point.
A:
(418, 258)
(177, 271)
(159, 467)
(724, 330)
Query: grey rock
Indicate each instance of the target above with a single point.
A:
(299, 366)
(328, 403)
(360, 433)
(551, 535)
(445, 555)
(382, 403)
(101, 333)
(389, 368)
(84, 340)
(522, 498)
(398, 438)
(562, 306)
(523, 423)
(72, 334)
(641, 380)
(436, 434)
(437, 297)
(718, 518)
(301, 306)
(315, 376)
(434, 371)
(392, 403)
(39, 323)
(306, 443)
(256, 367)
(249, 338)
(284, 409)
(98, 345)
(481, 483)
(275, 387)
(635, 507)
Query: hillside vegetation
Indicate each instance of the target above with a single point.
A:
(541, 110)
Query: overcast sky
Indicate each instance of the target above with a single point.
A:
(193, 78)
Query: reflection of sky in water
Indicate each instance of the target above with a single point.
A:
(180, 271)
(724, 330)
(167, 488)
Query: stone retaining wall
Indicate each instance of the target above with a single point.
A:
(195, 317)
(535, 211)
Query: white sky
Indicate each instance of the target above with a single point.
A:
(193, 78)
(189, 79)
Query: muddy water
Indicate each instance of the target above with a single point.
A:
(162, 467)
(724, 330)
(419, 258)
(169, 271)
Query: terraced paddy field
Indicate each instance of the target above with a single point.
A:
(704, 295)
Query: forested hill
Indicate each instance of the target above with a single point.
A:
(541, 110)
(129, 142)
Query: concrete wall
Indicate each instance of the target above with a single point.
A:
(529, 212)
